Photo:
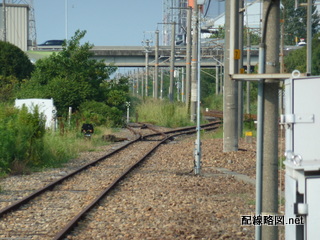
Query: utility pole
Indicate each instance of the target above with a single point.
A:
(248, 60)
(142, 83)
(147, 72)
(147, 50)
(217, 79)
(194, 69)
(136, 76)
(309, 37)
(197, 162)
(172, 61)
(156, 67)
(188, 58)
(66, 19)
(161, 83)
(271, 10)
(230, 95)
(240, 66)
(4, 21)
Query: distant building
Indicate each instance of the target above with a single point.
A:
(14, 25)
(252, 17)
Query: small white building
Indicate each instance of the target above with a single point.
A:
(45, 106)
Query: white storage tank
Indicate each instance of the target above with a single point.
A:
(45, 106)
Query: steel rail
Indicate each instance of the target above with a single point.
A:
(67, 229)
(75, 220)
(204, 126)
(60, 180)
(28, 198)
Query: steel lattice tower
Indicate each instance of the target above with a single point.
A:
(174, 12)
(32, 21)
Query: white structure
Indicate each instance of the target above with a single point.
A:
(252, 18)
(302, 195)
(14, 24)
(45, 106)
(17, 23)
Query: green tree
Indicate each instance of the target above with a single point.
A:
(296, 60)
(15, 66)
(70, 76)
(295, 21)
(254, 36)
(14, 62)
(116, 92)
(7, 87)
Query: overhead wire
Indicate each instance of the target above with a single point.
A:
(206, 12)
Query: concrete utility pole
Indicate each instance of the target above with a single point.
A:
(147, 71)
(142, 83)
(183, 81)
(230, 106)
(248, 61)
(147, 50)
(136, 76)
(172, 61)
(188, 58)
(240, 66)
(156, 67)
(66, 16)
(161, 84)
(271, 9)
(309, 37)
(217, 79)
(194, 61)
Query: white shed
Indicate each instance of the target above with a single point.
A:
(45, 106)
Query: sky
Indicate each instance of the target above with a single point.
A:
(107, 22)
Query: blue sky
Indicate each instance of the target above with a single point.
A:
(107, 22)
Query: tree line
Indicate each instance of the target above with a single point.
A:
(71, 77)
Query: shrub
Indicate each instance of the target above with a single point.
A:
(14, 62)
(98, 113)
(21, 136)
(163, 113)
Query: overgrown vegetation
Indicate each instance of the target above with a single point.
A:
(163, 113)
(21, 135)
(73, 79)
(27, 146)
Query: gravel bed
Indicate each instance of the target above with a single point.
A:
(162, 199)
(52, 210)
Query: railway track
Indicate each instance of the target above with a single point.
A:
(52, 212)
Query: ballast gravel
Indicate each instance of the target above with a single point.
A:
(163, 199)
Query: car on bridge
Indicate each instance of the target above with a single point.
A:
(51, 45)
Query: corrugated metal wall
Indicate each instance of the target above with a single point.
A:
(17, 19)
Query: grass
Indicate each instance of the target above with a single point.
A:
(163, 113)
(70, 144)
(218, 134)
(59, 149)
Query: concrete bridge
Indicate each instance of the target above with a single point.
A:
(134, 56)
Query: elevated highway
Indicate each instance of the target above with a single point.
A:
(134, 56)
